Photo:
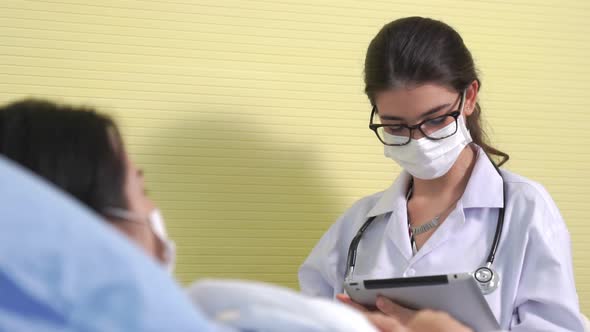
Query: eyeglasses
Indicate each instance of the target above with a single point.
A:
(435, 129)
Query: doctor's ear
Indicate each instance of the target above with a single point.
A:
(471, 97)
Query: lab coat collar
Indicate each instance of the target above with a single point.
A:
(484, 189)
(392, 198)
(485, 186)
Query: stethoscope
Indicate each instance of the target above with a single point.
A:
(486, 277)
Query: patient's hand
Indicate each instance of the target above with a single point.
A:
(391, 317)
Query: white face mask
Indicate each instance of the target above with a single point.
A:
(156, 223)
(429, 159)
(158, 226)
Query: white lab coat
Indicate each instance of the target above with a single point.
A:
(537, 290)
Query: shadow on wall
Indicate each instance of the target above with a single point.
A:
(240, 202)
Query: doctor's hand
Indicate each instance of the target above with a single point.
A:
(416, 321)
(435, 321)
(420, 321)
(393, 309)
(384, 305)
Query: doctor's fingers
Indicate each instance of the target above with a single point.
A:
(385, 323)
(343, 298)
(435, 321)
(391, 308)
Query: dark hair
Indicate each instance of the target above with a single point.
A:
(416, 50)
(77, 149)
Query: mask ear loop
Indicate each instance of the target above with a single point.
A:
(168, 246)
(463, 102)
(154, 220)
(123, 214)
(462, 108)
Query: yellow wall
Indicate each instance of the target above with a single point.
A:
(249, 118)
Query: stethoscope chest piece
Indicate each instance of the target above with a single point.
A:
(487, 279)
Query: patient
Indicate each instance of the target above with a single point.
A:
(81, 152)
(62, 269)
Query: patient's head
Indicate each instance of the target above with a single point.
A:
(81, 151)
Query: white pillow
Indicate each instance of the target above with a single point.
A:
(255, 306)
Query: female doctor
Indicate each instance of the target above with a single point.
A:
(451, 210)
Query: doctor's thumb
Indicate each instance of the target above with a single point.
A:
(343, 298)
(391, 308)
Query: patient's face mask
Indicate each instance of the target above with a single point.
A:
(169, 248)
(156, 223)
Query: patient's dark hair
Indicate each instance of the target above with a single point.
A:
(75, 148)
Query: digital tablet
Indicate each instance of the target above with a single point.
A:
(456, 294)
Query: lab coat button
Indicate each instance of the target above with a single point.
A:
(410, 273)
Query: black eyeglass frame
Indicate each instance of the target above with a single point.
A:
(455, 114)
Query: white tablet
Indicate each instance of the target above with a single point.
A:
(456, 294)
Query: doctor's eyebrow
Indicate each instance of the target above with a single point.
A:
(423, 115)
